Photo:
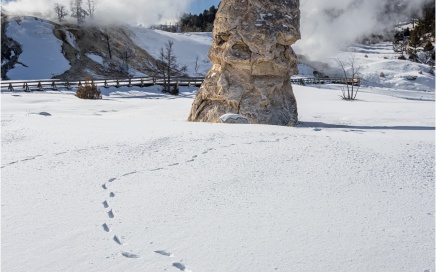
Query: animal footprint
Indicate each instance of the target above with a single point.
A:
(112, 194)
(181, 267)
(106, 228)
(164, 253)
(112, 179)
(117, 240)
(105, 204)
(110, 214)
(129, 255)
(104, 186)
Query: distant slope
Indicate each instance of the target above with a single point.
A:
(52, 50)
(70, 52)
(42, 52)
(187, 47)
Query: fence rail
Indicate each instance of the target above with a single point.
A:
(55, 84)
(326, 80)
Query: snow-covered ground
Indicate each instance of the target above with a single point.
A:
(127, 184)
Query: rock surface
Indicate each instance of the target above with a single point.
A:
(252, 63)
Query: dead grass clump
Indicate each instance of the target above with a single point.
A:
(88, 90)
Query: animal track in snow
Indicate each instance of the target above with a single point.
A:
(112, 194)
(174, 164)
(105, 204)
(106, 227)
(104, 186)
(181, 267)
(112, 179)
(164, 253)
(129, 255)
(110, 214)
(117, 240)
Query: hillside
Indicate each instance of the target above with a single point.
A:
(65, 51)
(70, 52)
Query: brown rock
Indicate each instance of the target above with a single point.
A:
(252, 63)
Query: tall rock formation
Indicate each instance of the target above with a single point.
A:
(252, 63)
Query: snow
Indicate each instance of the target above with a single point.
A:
(225, 117)
(42, 52)
(71, 39)
(127, 184)
(95, 58)
(187, 47)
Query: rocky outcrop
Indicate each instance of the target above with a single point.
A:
(252, 63)
(10, 50)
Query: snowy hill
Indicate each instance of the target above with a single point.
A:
(191, 49)
(96, 51)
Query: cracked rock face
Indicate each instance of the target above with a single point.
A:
(252, 63)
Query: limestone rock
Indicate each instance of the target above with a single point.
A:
(252, 63)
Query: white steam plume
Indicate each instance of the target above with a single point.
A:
(145, 12)
(327, 26)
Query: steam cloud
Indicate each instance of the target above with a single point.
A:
(327, 26)
(145, 12)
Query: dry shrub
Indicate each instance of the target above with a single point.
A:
(88, 90)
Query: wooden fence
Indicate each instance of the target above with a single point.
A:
(326, 80)
(56, 84)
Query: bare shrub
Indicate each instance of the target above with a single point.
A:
(350, 69)
(88, 90)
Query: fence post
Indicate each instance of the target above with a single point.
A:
(40, 86)
(105, 84)
(26, 87)
(67, 85)
(53, 86)
(10, 88)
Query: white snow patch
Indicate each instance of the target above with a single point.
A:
(95, 58)
(42, 51)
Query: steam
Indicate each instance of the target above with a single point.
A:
(144, 12)
(327, 26)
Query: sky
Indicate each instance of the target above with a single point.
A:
(199, 5)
